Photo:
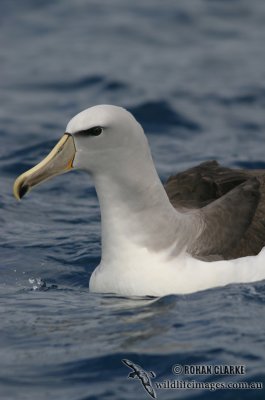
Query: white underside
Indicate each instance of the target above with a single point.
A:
(140, 273)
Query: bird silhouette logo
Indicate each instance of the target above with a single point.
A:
(143, 376)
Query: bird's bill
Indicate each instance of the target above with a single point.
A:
(59, 161)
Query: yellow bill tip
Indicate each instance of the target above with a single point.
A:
(19, 188)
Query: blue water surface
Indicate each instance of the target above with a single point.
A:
(193, 73)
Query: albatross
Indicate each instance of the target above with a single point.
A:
(205, 228)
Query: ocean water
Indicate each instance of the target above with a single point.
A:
(192, 72)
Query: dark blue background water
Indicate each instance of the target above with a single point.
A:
(193, 73)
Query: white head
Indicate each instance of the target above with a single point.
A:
(100, 139)
(103, 136)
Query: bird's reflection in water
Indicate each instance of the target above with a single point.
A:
(142, 321)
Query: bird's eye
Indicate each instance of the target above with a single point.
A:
(95, 131)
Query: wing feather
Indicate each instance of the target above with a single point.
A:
(231, 203)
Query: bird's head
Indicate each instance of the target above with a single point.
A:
(98, 139)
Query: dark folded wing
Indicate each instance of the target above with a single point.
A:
(231, 203)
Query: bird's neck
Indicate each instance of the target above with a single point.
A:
(135, 210)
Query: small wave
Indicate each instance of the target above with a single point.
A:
(104, 84)
(114, 86)
(247, 97)
(160, 113)
(251, 164)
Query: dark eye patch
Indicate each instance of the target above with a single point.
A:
(95, 131)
